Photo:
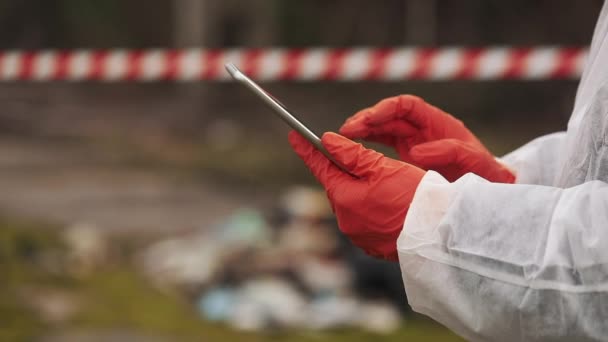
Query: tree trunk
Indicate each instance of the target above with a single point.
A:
(421, 22)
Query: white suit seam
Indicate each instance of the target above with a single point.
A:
(536, 284)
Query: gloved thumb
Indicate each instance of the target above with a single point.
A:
(354, 157)
(321, 167)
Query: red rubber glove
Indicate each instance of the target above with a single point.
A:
(427, 137)
(370, 210)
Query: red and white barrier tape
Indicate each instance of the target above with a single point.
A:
(495, 63)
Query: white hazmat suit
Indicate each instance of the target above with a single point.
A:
(523, 262)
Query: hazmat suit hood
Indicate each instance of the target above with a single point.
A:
(585, 156)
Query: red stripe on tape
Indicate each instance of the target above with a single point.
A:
(171, 64)
(26, 66)
(469, 64)
(2, 59)
(211, 64)
(251, 62)
(61, 67)
(134, 59)
(566, 65)
(423, 63)
(377, 64)
(516, 64)
(334, 64)
(97, 67)
(292, 61)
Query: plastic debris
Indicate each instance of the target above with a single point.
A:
(329, 312)
(296, 274)
(305, 202)
(269, 302)
(218, 304)
(245, 228)
(88, 247)
(379, 317)
(323, 276)
(191, 262)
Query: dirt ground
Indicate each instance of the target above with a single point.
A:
(69, 183)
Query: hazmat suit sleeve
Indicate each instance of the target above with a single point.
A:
(527, 261)
(537, 161)
(500, 262)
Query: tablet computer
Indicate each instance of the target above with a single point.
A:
(282, 112)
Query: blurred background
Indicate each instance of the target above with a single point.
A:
(176, 211)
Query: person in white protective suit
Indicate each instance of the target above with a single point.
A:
(511, 249)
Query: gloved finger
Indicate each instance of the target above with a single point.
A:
(438, 153)
(404, 107)
(393, 128)
(355, 128)
(357, 121)
(323, 169)
(354, 157)
(384, 112)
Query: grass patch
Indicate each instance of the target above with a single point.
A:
(116, 298)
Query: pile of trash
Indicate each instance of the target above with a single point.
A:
(289, 269)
